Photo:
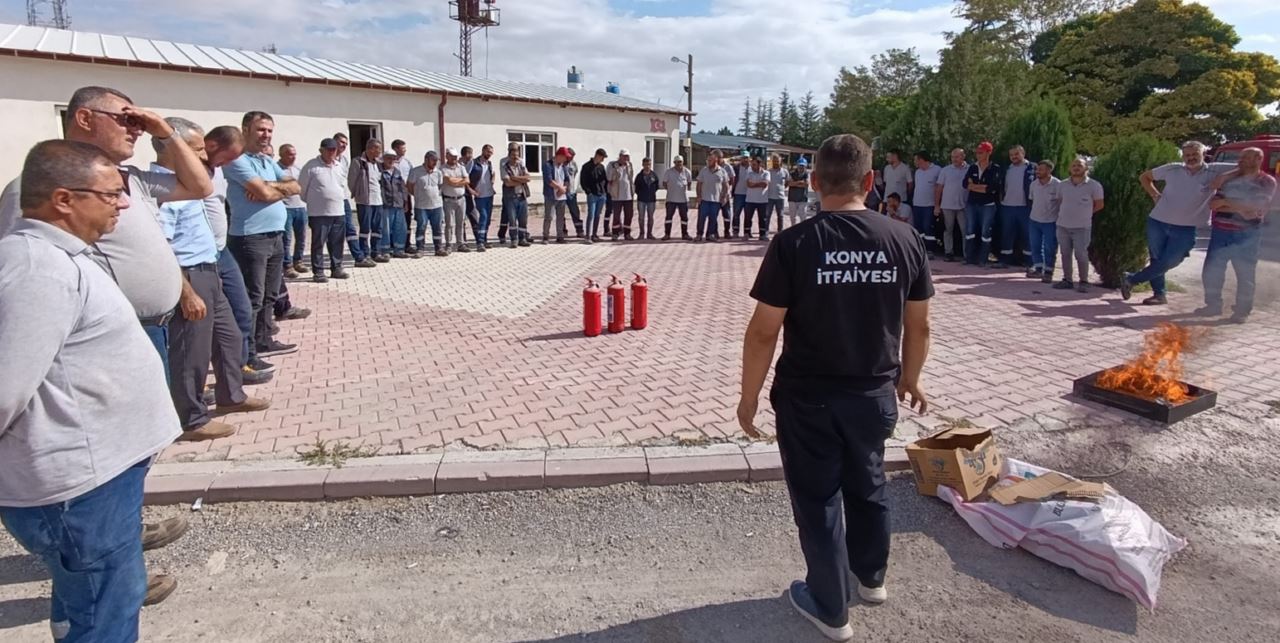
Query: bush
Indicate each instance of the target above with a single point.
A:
(1043, 128)
(1119, 243)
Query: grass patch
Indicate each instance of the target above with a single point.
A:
(334, 454)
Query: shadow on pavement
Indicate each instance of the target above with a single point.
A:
(23, 611)
(573, 334)
(21, 568)
(749, 621)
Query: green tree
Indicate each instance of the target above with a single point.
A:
(865, 100)
(725, 131)
(789, 130)
(812, 124)
(744, 123)
(1162, 67)
(1119, 231)
(1024, 20)
(1043, 128)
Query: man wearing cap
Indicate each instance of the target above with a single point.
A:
(395, 196)
(323, 184)
(713, 194)
(453, 190)
(480, 186)
(798, 191)
(676, 181)
(555, 194)
(571, 200)
(984, 182)
(595, 182)
(426, 183)
(515, 197)
(622, 191)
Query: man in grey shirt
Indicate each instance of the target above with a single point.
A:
(897, 176)
(323, 186)
(83, 400)
(622, 176)
(950, 198)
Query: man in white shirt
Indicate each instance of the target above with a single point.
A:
(756, 180)
(714, 191)
(348, 217)
(425, 182)
(555, 194)
(1043, 231)
(323, 182)
(897, 176)
(924, 207)
(622, 176)
(453, 189)
(295, 228)
(676, 181)
(777, 191)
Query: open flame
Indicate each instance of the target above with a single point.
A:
(1156, 374)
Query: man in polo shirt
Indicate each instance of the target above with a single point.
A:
(194, 339)
(426, 182)
(1242, 199)
(364, 182)
(83, 404)
(897, 175)
(925, 209)
(950, 201)
(756, 179)
(1044, 222)
(323, 187)
(798, 191)
(740, 187)
(515, 197)
(480, 185)
(349, 222)
(295, 228)
(555, 194)
(852, 289)
(1079, 198)
(256, 189)
(595, 183)
(714, 192)
(676, 181)
(1180, 207)
(622, 176)
(453, 186)
(1015, 208)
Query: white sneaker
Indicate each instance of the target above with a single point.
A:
(875, 595)
(803, 604)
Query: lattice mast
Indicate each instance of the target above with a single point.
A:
(473, 16)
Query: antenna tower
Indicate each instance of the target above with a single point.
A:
(60, 18)
(472, 16)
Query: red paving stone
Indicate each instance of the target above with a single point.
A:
(509, 367)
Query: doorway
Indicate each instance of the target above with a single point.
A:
(361, 134)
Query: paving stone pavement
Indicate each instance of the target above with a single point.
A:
(485, 351)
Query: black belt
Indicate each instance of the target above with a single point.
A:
(158, 320)
(452, 198)
(201, 267)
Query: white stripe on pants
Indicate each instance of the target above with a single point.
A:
(1074, 241)
(455, 219)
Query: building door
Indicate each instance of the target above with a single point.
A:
(658, 149)
(361, 134)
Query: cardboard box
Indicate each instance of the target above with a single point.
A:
(1047, 486)
(965, 459)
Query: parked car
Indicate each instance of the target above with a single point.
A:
(1268, 143)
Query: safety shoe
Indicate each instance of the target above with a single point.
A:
(382, 258)
(803, 603)
(290, 273)
(251, 377)
(399, 254)
(1064, 285)
(294, 313)
(301, 268)
(524, 243)
(1047, 278)
(163, 533)
(1155, 300)
(462, 247)
(1126, 288)
(319, 278)
(249, 405)
(1208, 311)
(1082, 286)
(366, 263)
(159, 587)
(210, 431)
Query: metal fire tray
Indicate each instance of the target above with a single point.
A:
(1201, 400)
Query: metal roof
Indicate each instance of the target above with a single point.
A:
(57, 44)
(734, 142)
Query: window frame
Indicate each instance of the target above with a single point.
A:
(549, 149)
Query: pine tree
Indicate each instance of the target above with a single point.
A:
(788, 119)
(724, 131)
(811, 122)
(744, 123)
(761, 129)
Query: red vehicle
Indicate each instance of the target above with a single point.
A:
(1268, 143)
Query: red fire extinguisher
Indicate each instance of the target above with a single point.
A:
(617, 305)
(591, 324)
(639, 303)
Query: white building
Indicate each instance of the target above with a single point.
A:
(312, 99)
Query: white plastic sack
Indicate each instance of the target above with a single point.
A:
(1113, 543)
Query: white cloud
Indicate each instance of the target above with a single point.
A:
(745, 48)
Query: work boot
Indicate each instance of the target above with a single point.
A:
(159, 587)
(252, 377)
(210, 431)
(1155, 300)
(163, 533)
(1126, 288)
(319, 278)
(290, 273)
(249, 405)
(366, 263)
(294, 313)
(301, 268)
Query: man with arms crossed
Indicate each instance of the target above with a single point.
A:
(852, 288)
(83, 400)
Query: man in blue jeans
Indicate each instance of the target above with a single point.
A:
(1243, 197)
(84, 406)
(594, 179)
(1180, 207)
(295, 227)
(364, 180)
(1015, 209)
(924, 210)
(481, 188)
(984, 183)
(714, 190)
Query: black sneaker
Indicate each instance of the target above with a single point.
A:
(294, 313)
(340, 274)
(1064, 285)
(260, 365)
(277, 348)
(1126, 288)
(319, 278)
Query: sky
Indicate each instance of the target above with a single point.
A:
(741, 48)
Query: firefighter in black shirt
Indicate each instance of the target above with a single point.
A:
(851, 287)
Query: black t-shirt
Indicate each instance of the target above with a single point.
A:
(844, 278)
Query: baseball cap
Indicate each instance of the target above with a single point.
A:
(985, 147)
(328, 144)
(600, 152)
(678, 159)
(624, 152)
(450, 151)
(564, 151)
(389, 155)
(802, 162)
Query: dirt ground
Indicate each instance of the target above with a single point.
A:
(710, 563)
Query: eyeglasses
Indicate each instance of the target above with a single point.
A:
(110, 197)
(121, 119)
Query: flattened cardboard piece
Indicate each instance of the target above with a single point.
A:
(965, 459)
(1047, 486)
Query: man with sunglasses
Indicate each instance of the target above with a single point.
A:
(135, 254)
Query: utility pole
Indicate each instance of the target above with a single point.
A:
(688, 119)
(60, 18)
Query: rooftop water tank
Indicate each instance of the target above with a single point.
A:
(613, 88)
(575, 78)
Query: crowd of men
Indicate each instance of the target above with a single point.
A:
(120, 287)
(1042, 218)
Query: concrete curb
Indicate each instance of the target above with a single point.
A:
(469, 472)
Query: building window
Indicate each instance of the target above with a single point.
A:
(61, 111)
(659, 150)
(537, 147)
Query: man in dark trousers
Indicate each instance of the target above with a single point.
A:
(852, 288)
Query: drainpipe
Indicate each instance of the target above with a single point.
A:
(444, 100)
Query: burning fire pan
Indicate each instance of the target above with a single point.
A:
(1160, 410)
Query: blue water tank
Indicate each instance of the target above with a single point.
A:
(613, 88)
(575, 78)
